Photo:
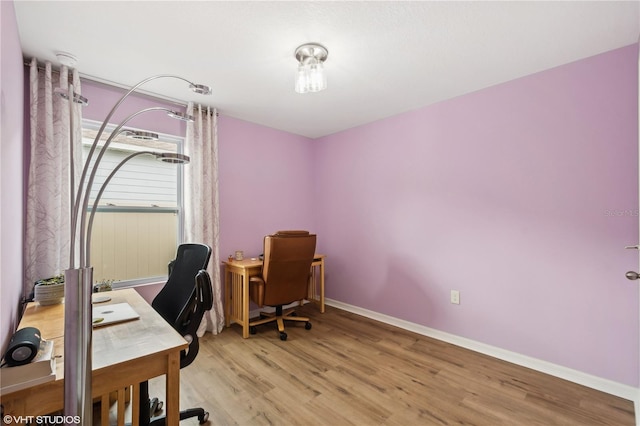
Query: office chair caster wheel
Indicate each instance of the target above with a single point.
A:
(155, 405)
(307, 325)
(253, 329)
(204, 418)
(283, 336)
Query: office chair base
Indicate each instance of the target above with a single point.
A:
(155, 405)
(280, 317)
(203, 417)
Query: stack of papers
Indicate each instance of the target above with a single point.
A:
(41, 370)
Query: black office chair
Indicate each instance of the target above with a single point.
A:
(182, 302)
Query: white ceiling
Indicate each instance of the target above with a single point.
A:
(385, 57)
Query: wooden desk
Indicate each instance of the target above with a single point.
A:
(236, 290)
(123, 355)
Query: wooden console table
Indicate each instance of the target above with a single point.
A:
(124, 354)
(236, 290)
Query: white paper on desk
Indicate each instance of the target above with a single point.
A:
(41, 369)
(110, 314)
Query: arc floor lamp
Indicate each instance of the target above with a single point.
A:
(79, 276)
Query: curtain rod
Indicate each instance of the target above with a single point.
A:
(146, 93)
(127, 87)
(211, 110)
(56, 69)
(41, 67)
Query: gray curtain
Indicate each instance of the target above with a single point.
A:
(201, 201)
(49, 180)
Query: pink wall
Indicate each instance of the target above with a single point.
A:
(517, 196)
(266, 184)
(11, 172)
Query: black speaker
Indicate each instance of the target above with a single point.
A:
(23, 346)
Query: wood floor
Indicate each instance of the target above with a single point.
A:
(350, 370)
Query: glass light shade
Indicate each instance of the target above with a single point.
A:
(317, 79)
(301, 80)
(310, 77)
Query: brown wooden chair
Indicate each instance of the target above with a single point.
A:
(284, 279)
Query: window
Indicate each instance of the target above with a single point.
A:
(138, 223)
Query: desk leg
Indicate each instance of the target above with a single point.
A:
(135, 404)
(227, 297)
(173, 389)
(322, 286)
(245, 304)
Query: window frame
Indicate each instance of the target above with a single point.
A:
(179, 142)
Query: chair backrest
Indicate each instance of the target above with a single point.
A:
(287, 265)
(191, 316)
(178, 295)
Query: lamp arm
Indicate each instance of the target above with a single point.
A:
(99, 196)
(82, 202)
(117, 105)
(133, 89)
(77, 201)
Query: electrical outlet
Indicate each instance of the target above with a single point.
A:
(455, 297)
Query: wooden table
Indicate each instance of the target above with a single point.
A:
(123, 355)
(236, 290)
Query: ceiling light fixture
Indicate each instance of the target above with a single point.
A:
(310, 76)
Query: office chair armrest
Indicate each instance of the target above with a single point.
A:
(170, 266)
(205, 294)
(256, 290)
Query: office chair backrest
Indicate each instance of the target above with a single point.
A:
(178, 294)
(191, 316)
(287, 264)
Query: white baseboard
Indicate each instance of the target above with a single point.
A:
(594, 382)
